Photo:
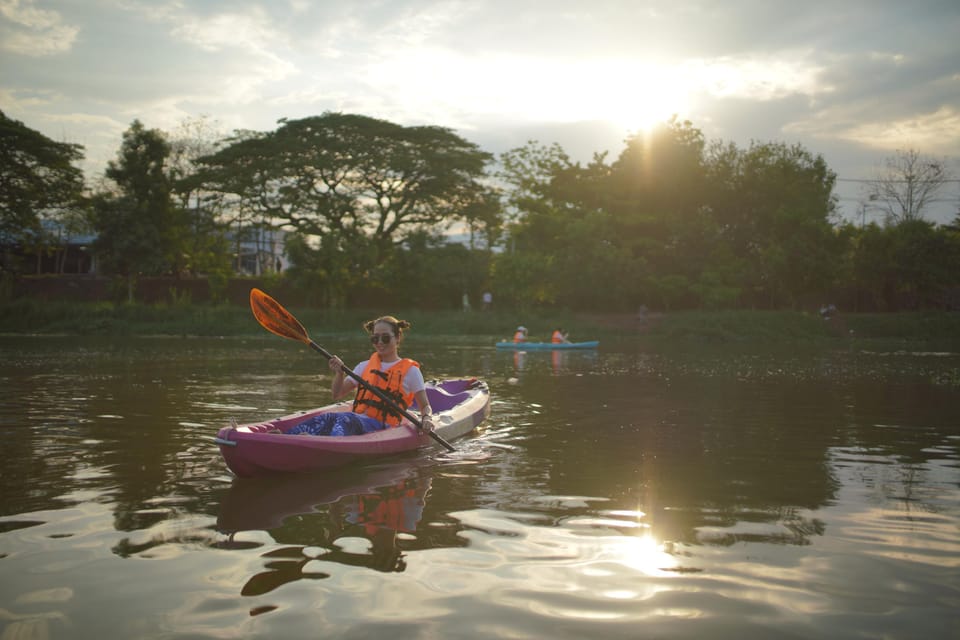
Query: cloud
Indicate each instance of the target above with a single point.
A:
(937, 132)
(246, 31)
(27, 100)
(29, 31)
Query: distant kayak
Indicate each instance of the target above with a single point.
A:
(527, 346)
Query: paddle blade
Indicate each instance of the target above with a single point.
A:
(274, 318)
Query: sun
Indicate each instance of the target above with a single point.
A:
(644, 96)
(633, 95)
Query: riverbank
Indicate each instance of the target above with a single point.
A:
(25, 316)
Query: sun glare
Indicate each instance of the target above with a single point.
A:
(647, 99)
(633, 96)
(647, 555)
(630, 94)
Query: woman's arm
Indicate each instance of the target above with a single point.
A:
(426, 411)
(341, 385)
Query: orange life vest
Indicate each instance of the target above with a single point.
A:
(385, 509)
(519, 336)
(557, 337)
(391, 384)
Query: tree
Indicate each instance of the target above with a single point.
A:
(910, 265)
(670, 224)
(657, 191)
(772, 207)
(139, 228)
(526, 173)
(363, 185)
(484, 219)
(342, 172)
(37, 181)
(907, 185)
(624, 224)
(204, 247)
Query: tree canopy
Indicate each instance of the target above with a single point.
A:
(360, 184)
(352, 175)
(37, 179)
(670, 222)
(136, 225)
(674, 221)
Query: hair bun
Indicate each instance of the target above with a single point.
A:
(399, 325)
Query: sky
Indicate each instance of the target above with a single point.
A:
(852, 80)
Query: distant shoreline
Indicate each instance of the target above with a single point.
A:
(35, 317)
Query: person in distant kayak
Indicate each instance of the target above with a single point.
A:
(521, 334)
(559, 337)
(398, 378)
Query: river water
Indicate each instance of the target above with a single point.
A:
(617, 493)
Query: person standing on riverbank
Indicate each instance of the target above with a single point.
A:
(487, 301)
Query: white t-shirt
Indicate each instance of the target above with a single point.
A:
(412, 380)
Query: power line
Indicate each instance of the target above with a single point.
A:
(932, 200)
(885, 180)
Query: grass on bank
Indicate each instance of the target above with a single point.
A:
(29, 316)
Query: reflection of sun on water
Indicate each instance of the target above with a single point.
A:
(640, 551)
(646, 554)
(643, 552)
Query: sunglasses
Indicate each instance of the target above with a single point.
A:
(385, 338)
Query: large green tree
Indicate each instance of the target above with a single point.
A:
(362, 184)
(610, 234)
(773, 208)
(342, 172)
(139, 229)
(909, 265)
(656, 191)
(671, 222)
(38, 180)
(565, 241)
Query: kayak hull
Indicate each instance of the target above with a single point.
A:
(550, 346)
(265, 448)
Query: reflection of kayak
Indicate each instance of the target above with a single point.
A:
(527, 346)
(459, 405)
(380, 499)
(264, 503)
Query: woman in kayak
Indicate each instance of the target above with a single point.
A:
(398, 378)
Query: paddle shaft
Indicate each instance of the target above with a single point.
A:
(372, 389)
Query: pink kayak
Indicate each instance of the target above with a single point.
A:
(459, 405)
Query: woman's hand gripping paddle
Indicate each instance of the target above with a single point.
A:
(275, 319)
